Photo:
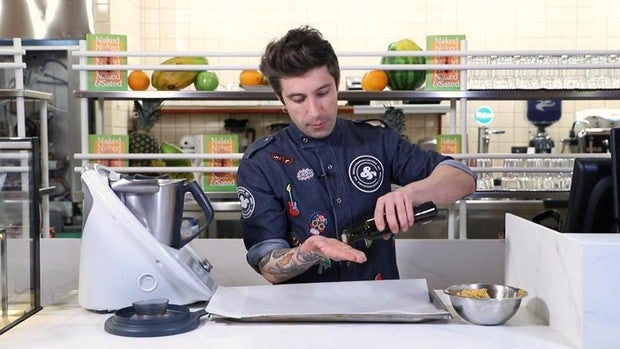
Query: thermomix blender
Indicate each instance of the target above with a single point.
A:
(132, 245)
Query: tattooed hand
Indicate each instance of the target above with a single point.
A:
(332, 249)
(283, 264)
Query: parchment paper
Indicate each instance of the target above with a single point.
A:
(359, 301)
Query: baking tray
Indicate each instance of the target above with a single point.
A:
(403, 301)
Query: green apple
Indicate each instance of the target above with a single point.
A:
(206, 81)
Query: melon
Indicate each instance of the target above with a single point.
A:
(405, 79)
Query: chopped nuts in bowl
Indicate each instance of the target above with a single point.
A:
(485, 304)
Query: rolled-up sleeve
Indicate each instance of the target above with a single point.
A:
(261, 249)
(461, 166)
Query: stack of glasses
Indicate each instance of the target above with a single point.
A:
(532, 174)
(548, 174)
(544, 71)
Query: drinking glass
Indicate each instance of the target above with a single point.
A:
(510, 180)
(485, 179)
(532, 180)
(614, 74)
(600, 78)
(573, 78)
(567, 176)
(478, 79)
(526, 78)
(552, 181)
(502, 78)
(550, 77)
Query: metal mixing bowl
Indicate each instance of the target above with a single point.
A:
(503, 303)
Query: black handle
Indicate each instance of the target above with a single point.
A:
(422, 213)
(194, 188)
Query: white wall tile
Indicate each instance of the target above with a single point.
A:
(246, 25)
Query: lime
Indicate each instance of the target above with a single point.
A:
(206, 81)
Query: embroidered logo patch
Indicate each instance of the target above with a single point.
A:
(305, 174)
(366, 173)
(318, 223)
(247, 202)
(285, 160)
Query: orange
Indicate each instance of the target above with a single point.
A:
(250, 78)
(375, 80)
(138, 80)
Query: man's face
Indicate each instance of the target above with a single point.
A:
(312, 101)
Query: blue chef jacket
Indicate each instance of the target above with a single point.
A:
(292, 186)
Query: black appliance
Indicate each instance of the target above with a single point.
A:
(542, 114)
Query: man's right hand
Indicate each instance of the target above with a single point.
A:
(283, 264)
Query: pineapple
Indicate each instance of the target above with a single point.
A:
(141, 141)
(394, 117)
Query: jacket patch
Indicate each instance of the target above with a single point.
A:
(366, 173)
(283, 159)
(305, 174)
(247, 202)
(293, 208)
(318, 223)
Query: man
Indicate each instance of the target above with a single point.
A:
(302, 187)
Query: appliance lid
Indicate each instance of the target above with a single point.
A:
(153, 318)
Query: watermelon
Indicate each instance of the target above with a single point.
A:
(405, 79)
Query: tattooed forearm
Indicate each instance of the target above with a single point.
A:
(283, 264)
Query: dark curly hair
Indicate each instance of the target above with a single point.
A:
(300, 50)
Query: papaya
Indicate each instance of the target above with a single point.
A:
(169, 148)
(174, 80)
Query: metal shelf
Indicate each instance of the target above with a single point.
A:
(180, 95)
(427, 96)
(417, 101)
(28, 94)
(422, 95)
(518, 195)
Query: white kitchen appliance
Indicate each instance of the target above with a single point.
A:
(122, 262)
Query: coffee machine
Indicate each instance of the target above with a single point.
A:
(542, 114)
(591, 129)
(133, 248)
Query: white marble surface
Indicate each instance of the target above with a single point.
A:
(65, 326)
(573, 280)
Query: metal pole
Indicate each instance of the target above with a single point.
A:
(45, 182)
(4, 275)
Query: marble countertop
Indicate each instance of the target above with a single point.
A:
(66, 325)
